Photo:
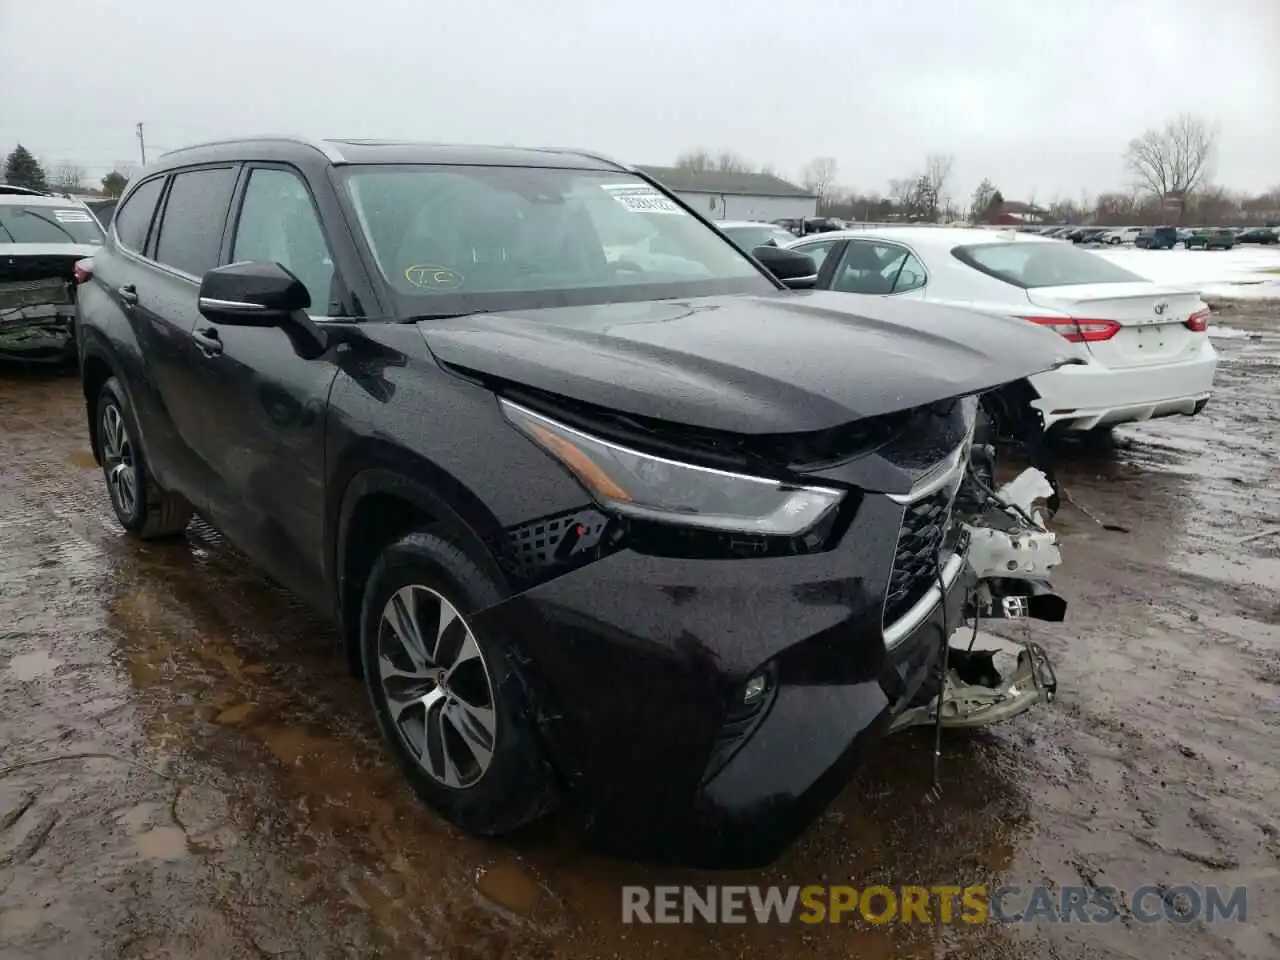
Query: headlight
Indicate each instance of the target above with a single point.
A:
(641, 485)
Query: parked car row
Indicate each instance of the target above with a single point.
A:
(610, 514)
(1163, 237)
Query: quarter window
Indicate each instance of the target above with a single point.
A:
(278, 222)
(133, 219)
(193, 219)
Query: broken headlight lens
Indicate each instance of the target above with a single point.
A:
(641, 485)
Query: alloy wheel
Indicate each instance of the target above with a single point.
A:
(118, 460)
(437, 686)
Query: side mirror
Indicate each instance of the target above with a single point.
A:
(796, 270)
(252, 293)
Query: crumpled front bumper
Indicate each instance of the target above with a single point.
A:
(38, 333)
(1011, 563)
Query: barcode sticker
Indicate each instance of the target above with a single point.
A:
(642, 198)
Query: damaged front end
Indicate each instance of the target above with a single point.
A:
(38, 305)
(1011, 556)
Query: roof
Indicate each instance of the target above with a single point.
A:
(340, 151)
(31, 199)
(680, 180)
(925, 237)
(722, 224)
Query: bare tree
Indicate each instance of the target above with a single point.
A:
(819, 178)
(933, 183)
(726, 161)
(1173, 161)
(905, 192)
(695, 160)
(729, 162)
(68, 176)
(980, 203)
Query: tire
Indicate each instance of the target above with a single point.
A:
(424, 574)
(141, 506)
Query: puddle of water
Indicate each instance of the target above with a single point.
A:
(511, 886)
(162, 843)
(83, 459)
(33, 666)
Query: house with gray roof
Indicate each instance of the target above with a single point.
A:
(736, 196)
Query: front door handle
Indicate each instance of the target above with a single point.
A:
(208, 341)
(128, 293)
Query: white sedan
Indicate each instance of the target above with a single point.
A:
(1146, 347)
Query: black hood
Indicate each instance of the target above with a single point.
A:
(785, 363)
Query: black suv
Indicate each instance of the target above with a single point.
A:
(605, 513)
(1157, 238)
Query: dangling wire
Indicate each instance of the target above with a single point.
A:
(935, 791)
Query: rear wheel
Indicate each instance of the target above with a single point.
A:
(447, 697)
(143, 509)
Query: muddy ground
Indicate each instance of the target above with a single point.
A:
(186, 769)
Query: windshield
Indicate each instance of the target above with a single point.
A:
(1030, 265)
(463, 239)
(749, 237)
(40, 223)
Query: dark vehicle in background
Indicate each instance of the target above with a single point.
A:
(1264, 235)
(803, 226)
(1210, 239)
(606, 514)
(43, 238)
(1157, 238)
(103, 210)
(1087, 234)
(747, 235)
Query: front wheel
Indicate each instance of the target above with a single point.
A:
(141, 506)
(448, 699)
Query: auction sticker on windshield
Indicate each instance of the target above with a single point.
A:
(641, 198)
(72, 216)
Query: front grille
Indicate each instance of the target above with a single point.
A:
(923, 538)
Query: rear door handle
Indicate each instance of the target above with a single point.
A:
(128, 293)
(208, 341)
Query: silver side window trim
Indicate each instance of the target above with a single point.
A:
(213, 303)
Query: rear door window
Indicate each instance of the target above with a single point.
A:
(133, 219)
(818, 251)
(1031, 265)
(877, 268)
(193, 219)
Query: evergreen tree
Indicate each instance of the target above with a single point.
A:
(21, 169)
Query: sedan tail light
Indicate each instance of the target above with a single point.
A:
(1198, 322)
(82, 272)
(1079, 331)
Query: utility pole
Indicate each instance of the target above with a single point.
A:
(142, 145)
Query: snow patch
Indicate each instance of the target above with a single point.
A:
(1238, 274)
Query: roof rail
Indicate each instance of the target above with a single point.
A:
(13, 189)
(330, 152)
(589, 154)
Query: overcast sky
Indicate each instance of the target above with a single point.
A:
(1039, 95)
